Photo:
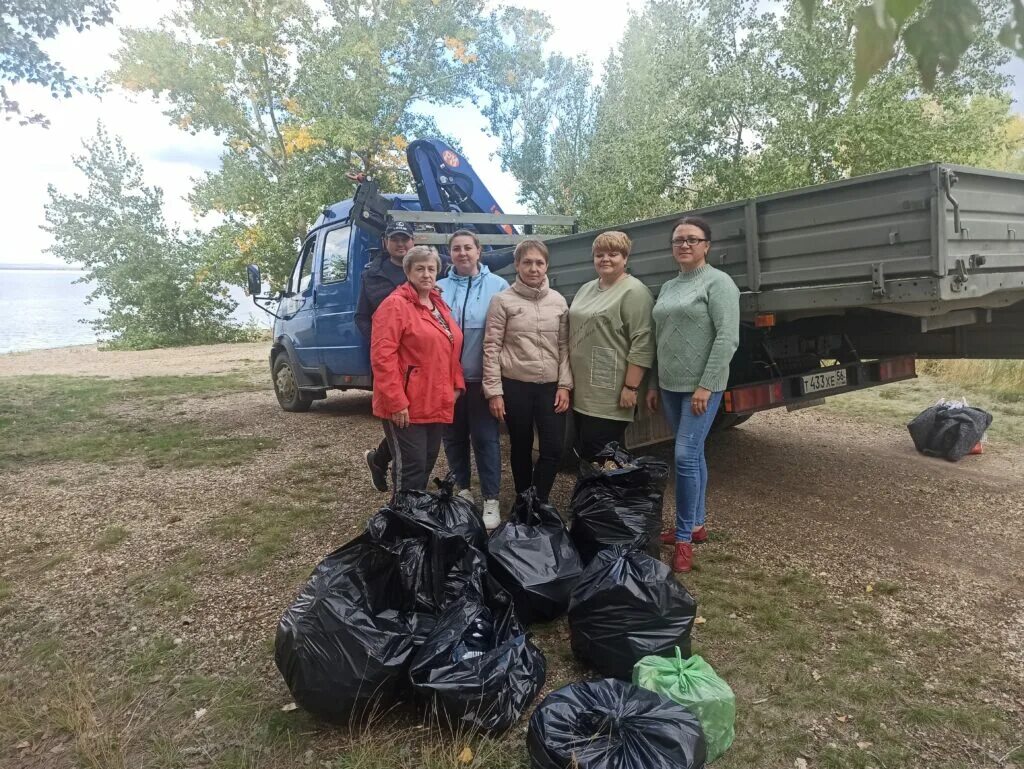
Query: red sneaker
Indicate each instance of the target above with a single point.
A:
(668, 537)
(682, 561)
(698, 535)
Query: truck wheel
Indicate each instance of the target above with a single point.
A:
(286, 388)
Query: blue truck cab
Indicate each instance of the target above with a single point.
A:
(316, 343)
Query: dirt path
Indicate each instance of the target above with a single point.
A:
(854, 504)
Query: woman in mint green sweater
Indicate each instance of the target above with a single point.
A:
(697, 326)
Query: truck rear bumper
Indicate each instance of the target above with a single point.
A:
(808, 387)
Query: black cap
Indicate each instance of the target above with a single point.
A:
(399, 228)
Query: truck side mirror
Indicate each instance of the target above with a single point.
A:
(254, 279)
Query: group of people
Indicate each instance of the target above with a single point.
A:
(453, 357)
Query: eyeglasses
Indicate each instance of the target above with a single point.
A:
(691, 242)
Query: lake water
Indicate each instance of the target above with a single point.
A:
(43, 308)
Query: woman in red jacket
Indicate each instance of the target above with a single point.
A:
(417, 377)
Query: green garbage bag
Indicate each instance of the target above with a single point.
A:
(695, 685)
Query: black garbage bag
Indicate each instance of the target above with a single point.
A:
(477, 669)
(345, 644)
(949, 430)
(437, 564)
(628, 605)
(618, 502)
(445, 506)
(534, 558)
(611, 724)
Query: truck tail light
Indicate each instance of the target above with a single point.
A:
(897, 368)
(753, 397)
(764, 320)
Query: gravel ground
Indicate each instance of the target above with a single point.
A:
(847, 501)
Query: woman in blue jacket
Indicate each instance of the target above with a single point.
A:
(468, 290)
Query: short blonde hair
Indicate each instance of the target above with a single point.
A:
(530, 244)
(613, 240)
(418, 254)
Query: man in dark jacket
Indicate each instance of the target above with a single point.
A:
(380, 278)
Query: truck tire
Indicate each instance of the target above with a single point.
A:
(286, 387)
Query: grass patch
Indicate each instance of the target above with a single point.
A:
(798, 657)
(43, 418)
(51, 562)
(6, 589)
(156, 655)
(1003, 379)
(269, 530)
(170, 587)
(269, 526)
(426, 747)
(46, 652)
(885, 587)
(111, 537)
(97, 743)
(900, 402)
(974, 719)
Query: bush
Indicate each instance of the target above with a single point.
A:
(150, 275)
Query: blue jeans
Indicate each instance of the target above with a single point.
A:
(474, 424)
(691, 469)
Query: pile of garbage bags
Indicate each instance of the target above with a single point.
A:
(423, 609)
(533, 557)
(617, 499)
(949, 429)
(398, 595)
(612, 724)
(627, 605)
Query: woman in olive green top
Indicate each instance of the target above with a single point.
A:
(611, 346)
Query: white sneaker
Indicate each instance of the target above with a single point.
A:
(467, 495)
(492, 517)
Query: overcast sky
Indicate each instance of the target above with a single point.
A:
(32, 157)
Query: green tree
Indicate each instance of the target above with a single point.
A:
(24, 24)
(302, 96)
(541, 110)
(707, 101)
(147, 274)
(818, 130)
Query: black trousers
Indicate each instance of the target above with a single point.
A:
(530, 405)
(593, 433)
(414, 450)
(383, 456)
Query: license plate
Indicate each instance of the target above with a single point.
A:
(827, 380)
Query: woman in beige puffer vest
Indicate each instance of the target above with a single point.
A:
(526, 376)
